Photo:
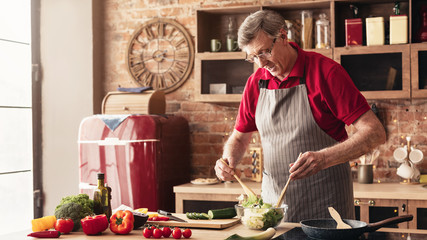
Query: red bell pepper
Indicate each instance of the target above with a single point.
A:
(121, 222)
(45, 234)
(93, 225)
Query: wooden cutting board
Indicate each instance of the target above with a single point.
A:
(191, 223)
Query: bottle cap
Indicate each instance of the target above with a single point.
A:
(100, 175)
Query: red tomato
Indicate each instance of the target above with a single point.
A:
(186, 233)
(157, 233)
(147, 232)
(166, 232)
(64, 225)
(176, 233)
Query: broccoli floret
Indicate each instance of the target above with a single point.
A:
(70, 210)
(85, 208)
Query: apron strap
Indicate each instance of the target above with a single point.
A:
(263, 83)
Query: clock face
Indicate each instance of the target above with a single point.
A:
(160, 54)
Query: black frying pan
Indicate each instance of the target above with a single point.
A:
(326, 228)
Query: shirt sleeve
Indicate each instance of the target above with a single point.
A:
(245, 120)
(342, 97)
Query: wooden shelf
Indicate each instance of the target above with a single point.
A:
(403, 60)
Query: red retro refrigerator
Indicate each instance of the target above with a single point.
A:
(142, 157)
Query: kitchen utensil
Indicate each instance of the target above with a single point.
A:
(247, 190)
(326, 228)
(171, 216)
(374, 156)
(400, 154)
(282, 195)
(416, 156)
(336, 216)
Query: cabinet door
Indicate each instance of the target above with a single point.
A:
(375, 210)
(418, 208)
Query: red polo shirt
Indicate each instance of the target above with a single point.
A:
(332, 95)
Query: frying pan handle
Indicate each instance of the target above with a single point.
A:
(389, 221)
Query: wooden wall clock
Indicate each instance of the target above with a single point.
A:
(160, 54)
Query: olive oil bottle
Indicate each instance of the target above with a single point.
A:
(102, 197)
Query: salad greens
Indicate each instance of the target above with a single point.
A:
(260, 215)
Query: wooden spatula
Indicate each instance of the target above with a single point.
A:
(247, 190)
(282, 195)
(336, 216)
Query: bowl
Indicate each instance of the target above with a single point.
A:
(261, 218)
(140, 219)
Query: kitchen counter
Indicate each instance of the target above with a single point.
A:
(229, 191)
(198, 234)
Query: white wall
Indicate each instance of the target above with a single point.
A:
(67, 92)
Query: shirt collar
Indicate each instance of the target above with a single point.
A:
(299, 66)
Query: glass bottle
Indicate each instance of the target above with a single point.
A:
(307, 29)
(231, 37)
(290, 31)
(323, 39)
(101, 198)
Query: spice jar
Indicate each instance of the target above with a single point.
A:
(306, 29)
(323, 39)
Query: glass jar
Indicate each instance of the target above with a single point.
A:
(306, 29)
(323, 39)
(290, 31)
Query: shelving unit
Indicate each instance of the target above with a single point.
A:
(380, 72)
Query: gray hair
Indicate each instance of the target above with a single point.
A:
(266, 20)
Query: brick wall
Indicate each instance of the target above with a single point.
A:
(210, 124)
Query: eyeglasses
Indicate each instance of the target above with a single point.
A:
(264, 55)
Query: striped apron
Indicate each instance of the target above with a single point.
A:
(287, 127)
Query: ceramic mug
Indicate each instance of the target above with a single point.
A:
(405, 171)
(215, 45)
(400, 154)
(365, 173)
(416, 156)
(232, 45)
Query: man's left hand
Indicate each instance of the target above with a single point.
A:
(307, 165)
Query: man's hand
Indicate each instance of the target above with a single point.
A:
(307, 165)
(224, 172)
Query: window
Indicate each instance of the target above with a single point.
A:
(16, 123)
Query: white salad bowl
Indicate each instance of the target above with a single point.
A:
(261, 218)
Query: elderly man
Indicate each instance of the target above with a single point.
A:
(299, 102)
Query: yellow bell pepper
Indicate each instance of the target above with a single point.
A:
(44, 223)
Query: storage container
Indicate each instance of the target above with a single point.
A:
(353, 32)
(374, 31)
(398, 29)
(142, 156)
(148, 102)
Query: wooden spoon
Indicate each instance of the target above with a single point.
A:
(282, 195)
(336, 216)
(247, 190)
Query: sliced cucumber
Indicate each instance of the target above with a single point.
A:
(222, 213)
(195, 215)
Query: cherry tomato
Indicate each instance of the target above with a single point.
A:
(176, 233)
(157, 233)
(147, 232)
(166, 232)
(64, 225)
(186, 233)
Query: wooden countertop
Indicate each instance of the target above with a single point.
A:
(374, 190)
(198, 234)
